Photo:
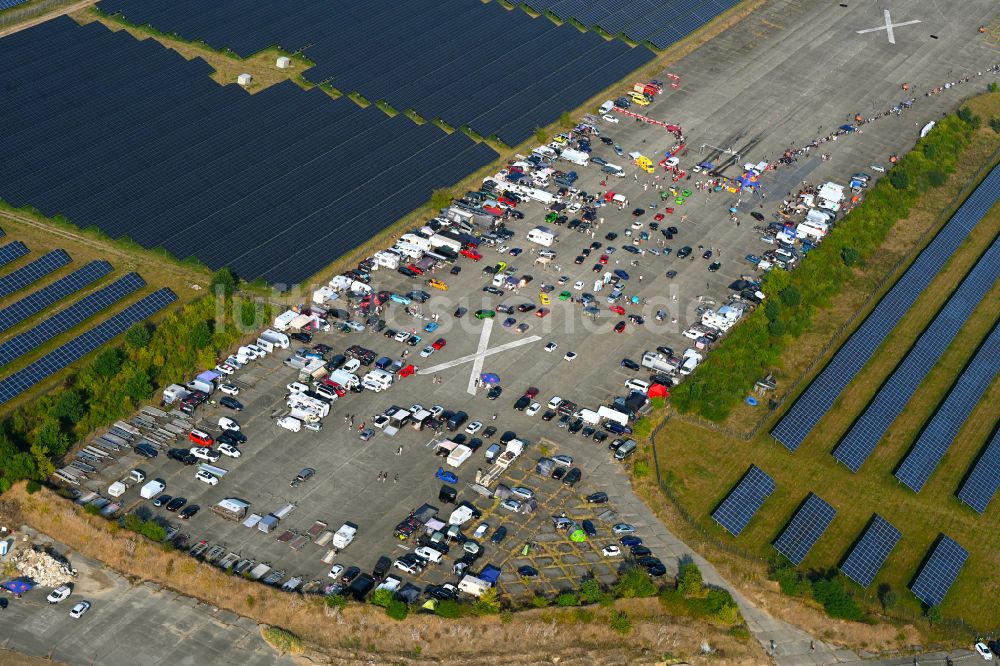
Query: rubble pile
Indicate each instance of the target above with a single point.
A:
(42, 568)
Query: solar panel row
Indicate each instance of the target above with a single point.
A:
(735, 512)
(7, 4)
(817, 399)
(806, 527)
(983, 481)
(35, 302)
(933, 442)
(871, 551)
(939, 572)
(893, 396)
(285, 176)
(72, 316)
(83, 344)
(12, 251)
(31, 272)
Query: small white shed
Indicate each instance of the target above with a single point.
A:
(244, 79)
(283, 62)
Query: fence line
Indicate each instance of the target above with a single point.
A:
(22, 13)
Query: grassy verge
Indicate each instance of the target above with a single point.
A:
(358, 631)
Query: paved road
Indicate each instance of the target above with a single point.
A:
(138, 625)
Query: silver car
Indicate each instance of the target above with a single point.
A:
(522, 492)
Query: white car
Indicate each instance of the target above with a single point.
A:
(565, 461)
(555, 402)
(225, 369)
(426, 351)
(569, 356)
(229, 389)
(611, 551)
(205, 477)
(551, 347)
(227, 423)
(473, 427)
(608, 118)
(548, 254)
(315, 426)
(511, 505)
(402, 336)
(637, 385)
(290, 423)
(533, 409)
(335, 571)
(58, 594)
(983, 651)
(228, 449)
(79, 609)
(297, 387)
(354, 326)
(380, 421)
(481, 530)
(522, 492)
(436, 410)
(204, 453)
(578, 285)
(637, 225)
(260, 351)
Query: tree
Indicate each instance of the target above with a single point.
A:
(52, 437)
(382, 597)
(487, 603)
(43, 462)
(591, 592)
(397, 609)
(776, 328)
(137, 386)
(108, 362)
(634, 582)
(934, 615)
(966, 115)
(69, 406)
(566, 599)
(888, 596)
(440, 198)
(138, 336)
(541, 136)
(772, 310)
(689, 580)
(200, 335)
(836, 600)
(791, 296)
(899, 179)
(224, 281)
(850, 256)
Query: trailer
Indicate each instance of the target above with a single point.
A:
(214, 553)
(324, 538)
(259, 571)
(229, 560)
(316, 529)
(274, 577)
(198, 548)
(243, 565)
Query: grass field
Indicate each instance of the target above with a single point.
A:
(701, 466)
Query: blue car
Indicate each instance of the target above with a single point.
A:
(629, 541)
(431, 327)
(622, 274)
(446, 476)
(399, 298)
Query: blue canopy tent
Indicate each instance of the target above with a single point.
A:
(489, 378)
(17, 587)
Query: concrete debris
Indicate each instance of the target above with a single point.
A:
(42, 568)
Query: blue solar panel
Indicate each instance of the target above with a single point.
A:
(7, 4)
(35, 302)
(871, 551)
(63, 356)
(817, 399)
(984, 479)
(892, 398)
(806, 527)
(72, 316)
(31, 272)
(12, 251)
(735, 512)
(935, 439)
(939, 572)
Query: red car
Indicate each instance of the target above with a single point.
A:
(200, 438)
(617, 309)
(603, 259)
(619, 327)
(531, 392)
(669, 210)
(471, 254)
(335, 387)
(440, 342)
(415, 269)
(541, 312)
(509, 202)
(658, 217)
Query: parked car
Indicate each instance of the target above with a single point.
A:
(79, 609)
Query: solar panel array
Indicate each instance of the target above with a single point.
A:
(72, 316)
(892, 398)
(12, 251)
(817, 399)
(939, 572)
(34, 303)
(735, 512)
(498, 71)
(936, 438)
(806, 527)
(274, 185)
(982, 483)
(80, 346)
(32, 272)
(660, 22)
(871, 551)
(7, 4)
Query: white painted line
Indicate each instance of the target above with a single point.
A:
(888, 27)
(477, 363)
(471, 357)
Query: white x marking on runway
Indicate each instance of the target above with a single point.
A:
(889, 25)
(482, 352)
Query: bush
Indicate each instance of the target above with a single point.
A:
(487, 603)
(282, 640)
(888, 597)
(640, 468)
(722, 607)
(899, 178)
(621, 622)
(448, 608)
(397, 609)
(791, 296)
(33, 487)
(382, 598)
(634, 582)
(836, 600)
(541, 136)
(934, 614)
(506, 617)
(789, 580)
(995, 124)
(850, 256)
(937, 178)
(591, 592)
(335, 601)
(689, 580)
(567, 599)
(538, 601)
(440, 198)
(566, 121)
(993, 87)
(138, 336)
(966, 115)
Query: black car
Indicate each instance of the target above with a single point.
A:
(182, 455)
(558, 472)
(145, 450)
(460, 312)
(684, 251)
(494, 392)
(607, 140)
(350, 574)
(527, 572)
(406, 271)
(231, 403)
(597, 498)
(548, 415)
(579, 260)
(575, 426)
(600, 436)
(525, 307)
(666, 351)
(588, 528)
(382, 567)
(630, 364)
(189, 511)
(161, 500)
(234, 437)
(610, 236)
(455, 270)
(506, 309)
(707, 254)
(475, 444)
(588, 431)
(714, 266)
(572, 477)
(671, 275)
(631, 249)
(419, 295)
(301, 336)
(507, 436)
(440, 592)
(638, 212)
(498, 535)
(459, 438)
(640, 551)
(522, 403)
(338, 361)
(489, 432)
(615, 444)
(490, 289)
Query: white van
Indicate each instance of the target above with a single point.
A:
(637, 385)
(606, 107)
(290, 423)
(474, 586)
(429, 554)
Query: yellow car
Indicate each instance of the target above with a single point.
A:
(438, 284)
(640, 100)
(543, 298)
